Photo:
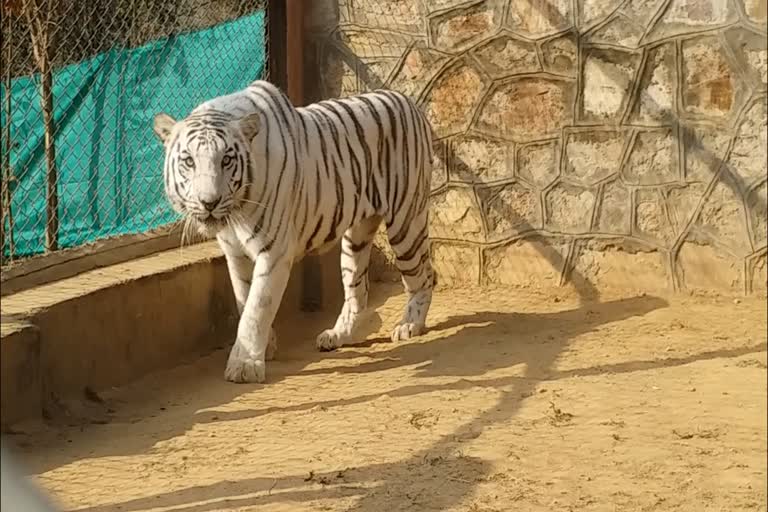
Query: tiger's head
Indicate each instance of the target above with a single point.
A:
(206, 168)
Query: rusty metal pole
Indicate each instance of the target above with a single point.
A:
(294, 28)
(311, 269)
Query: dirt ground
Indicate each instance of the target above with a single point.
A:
(513, 401)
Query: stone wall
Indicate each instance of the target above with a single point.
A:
(593, 142)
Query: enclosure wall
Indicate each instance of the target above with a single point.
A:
(595, 143)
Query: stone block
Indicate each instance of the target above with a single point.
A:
(373, 73)
(506, 56)
(480, 160)
(689, 16)
(620, 265)
(751, 51)
(653, 158)
(592, 12)
(394, 15)
(651, 219)
(441, 5)
(704, 268)
(509, 210)
(619, 31)
(455, 215)
(453, 98)
(709, 84)
(458, 29)
(526, 109)
(655, 103)
(372, 44)
(704, 150)
(383, 266)
(538, 18)
(324, 16)
(723, 218)
(538, 163)
(615, 209)
(641, 12)
(760, 276)
(535, 262)
(682, 203)
(750, 148)
(756, 10)
(456, 263)
(439, 165)
(373, 54)
(607, 81)
(338, 78)
(569, 208)
(416, 70)
(561, 55)
(757, 200)
(593, 156)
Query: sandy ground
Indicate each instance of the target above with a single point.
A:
(512, 401)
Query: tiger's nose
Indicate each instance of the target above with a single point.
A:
(211, 205)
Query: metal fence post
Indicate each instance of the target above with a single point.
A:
(311, 267)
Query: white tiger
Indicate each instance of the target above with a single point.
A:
(275, 183)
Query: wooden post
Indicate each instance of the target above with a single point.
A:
(38, 17)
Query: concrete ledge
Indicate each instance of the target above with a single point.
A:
(20, 383)
(109, 326)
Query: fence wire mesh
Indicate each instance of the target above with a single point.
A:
(81, 84)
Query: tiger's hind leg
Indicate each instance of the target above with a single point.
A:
(410, 243)
(355, 257)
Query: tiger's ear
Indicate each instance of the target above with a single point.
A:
(250, 125)
(163, 126)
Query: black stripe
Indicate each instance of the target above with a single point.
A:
(406, 171)
(311, 241)
(360, 279)
(356, 247)
(417, 268)
(418, 242)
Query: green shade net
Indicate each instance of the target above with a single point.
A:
(108, 157)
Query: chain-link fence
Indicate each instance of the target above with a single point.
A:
(81, 82)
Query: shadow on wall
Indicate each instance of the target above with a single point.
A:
(676, 192)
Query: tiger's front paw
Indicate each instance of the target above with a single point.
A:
(243, 367)
(245, 370)
(406, 330)
(329, 340)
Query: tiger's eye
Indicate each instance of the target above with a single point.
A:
(226, 160)
(189, 161)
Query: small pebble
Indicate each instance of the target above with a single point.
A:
(737, 301)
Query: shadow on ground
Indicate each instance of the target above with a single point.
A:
(529, 339)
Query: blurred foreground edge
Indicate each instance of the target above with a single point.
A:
(17, 493)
